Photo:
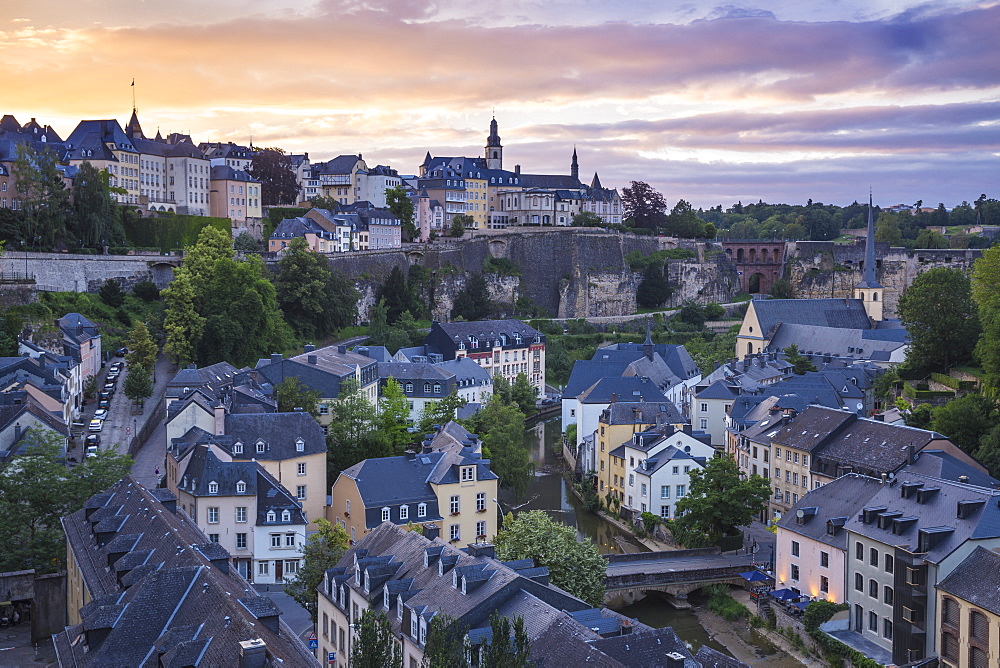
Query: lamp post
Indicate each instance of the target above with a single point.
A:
(500, 510)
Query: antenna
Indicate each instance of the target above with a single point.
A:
(133, 95)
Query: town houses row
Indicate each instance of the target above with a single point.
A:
(173, 174)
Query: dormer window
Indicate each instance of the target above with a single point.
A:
(399, 607)
(213, 487)
(286, 516)
(414, 632)
(300, 445)
(468, 473)
(184, 483)
(385, 514)
(237, 448)
(421, 510)
(474, 341)
(404, 512)
(272, 516)
(260, 446)
(427, 388)
(241, 487)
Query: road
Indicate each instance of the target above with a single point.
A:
(679, 564)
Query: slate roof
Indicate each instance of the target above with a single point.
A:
(446, 337)
(212, 378)
(676, 356)
(77, 328)
(608, 390)
(976, 580)
(710, 658)
(838, 341)
(587, 372)
(838, 500)
(279, 431)
(176, 598)
(933, 510)
(840, 313)
(720, 389)
(325, 376)
(941, 464)
(550, 181)
(342, 164)
(639, 412)
(228, 173)
(646, 649)
(466, 372)
(290, 228)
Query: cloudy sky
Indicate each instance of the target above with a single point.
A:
(777, 100)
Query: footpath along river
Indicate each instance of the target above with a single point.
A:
(549, 491)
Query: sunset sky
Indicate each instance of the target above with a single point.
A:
(781, 101)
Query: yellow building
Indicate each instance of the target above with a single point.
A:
(969, 612)
(617, 423)
(235, 195)
(448, 483)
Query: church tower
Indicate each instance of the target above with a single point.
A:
(574, 167)
(869, 290)
(494, 151)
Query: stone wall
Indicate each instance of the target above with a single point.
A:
(66, 272)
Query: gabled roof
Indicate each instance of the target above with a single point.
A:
(839, 313)
(976, 580)
(608, 390)
(941, 464)
(840, 499)
(279, 431)
(228, 173)
(639, 412)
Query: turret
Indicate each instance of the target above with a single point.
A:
(494, 150)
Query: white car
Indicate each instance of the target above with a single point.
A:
(101, 414)
(96, 425)
(92, 451)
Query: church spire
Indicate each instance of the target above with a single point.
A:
(494, 151)
(574, 167)
(647, 345)
(869, 290)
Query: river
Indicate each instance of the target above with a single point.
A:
(549, 491)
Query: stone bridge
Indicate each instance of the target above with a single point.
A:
(675, 573)
(759, 263)
(68, 272)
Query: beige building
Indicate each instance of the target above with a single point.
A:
(616, 425)
(969, 604)
(447, 483)
(236, 195)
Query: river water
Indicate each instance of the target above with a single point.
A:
(549, 491)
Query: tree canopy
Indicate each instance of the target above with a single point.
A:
(273, 169)
(322, 551)
(574, 566)
(500, 424)
(375, 646)
(720, 499)
(473, 301)
(401, 206)
(985, 279)
(643, 206)
(654, 290)
(315, 299)
(942, 320)
(291, 394)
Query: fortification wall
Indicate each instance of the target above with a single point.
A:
(66, 272)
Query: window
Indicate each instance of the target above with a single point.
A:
(887, 595)
(796, 459)
(481, 529)
(887, 628)
(301, 468)
(385, 514)
(468, 473)
(979, 626)
(324, 409)
(260, 446)
(777, 453)
(275, 540)
(289, 540)
(643, 489)
(271, 516)
(237, 448)
(241, 513)
(455, 504)
(241, 487)
(978, 658)
(213, 537)
(263, 567)
(687, 469)
(404, 512)
(949, 646)
(888, 563)
(481, 502)
(859, 551)
(455, 533)
(664, 491)
(348, 508)
(241, 541)
(677, 469)
(795, 548)
(286, 516)
(300, 445)
(213, 515)
(795, 572)
(631, 480)
(788, 455)
(873, 556)
(859, 582)
(824, 559)
(873, 622)
(703, 423)
(680, 491)
(665, 512)
(873, 589)
(777, 473)
(421, 510)
(213, 488)
(824, 584)
(704, 407)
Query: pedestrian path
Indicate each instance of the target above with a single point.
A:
(151, 455)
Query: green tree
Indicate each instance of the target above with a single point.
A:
(36, 490)
(274, 170)
(510, 646)
(322, 551)
(473, 301)
(440, 412)
(587, 219)
(654, 290)
(142, 350)
(692, 313)
(95, 215)
(964, 421)
(181, 322)
(720, 499)
(941, 318)
(710, 231)
(445, 647)
(683, 222)
(328, 203)
(988, 453)
(45, 201)
(501, 426)
(781, 289)
(887, 229)
(146, 291)
(524, 395)
(349, 439)
(929, 238)
(247, 243)
(374, 646)
(393, 415)
(800, 363)
(398, 296)
(111, 293)
(574, 566)
(380, 333)
(401, 206)
(138, 385)
(985, 279)
(643, 206)
(459, 224)
(315, 299)
(291, 394)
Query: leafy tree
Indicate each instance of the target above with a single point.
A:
(938, 312)
(142, 349)
(322, 551)
(644, 206)
(460, 223)
(351, 437)
(246, 242)
(524, 394)
(401, 206)
(887, 229)
(138, 385)
(274, 170)
(445, 647)
(710, 231)
(328, 203)
(181, 322)
(921, 417)
(380, 333)
(501, 426)
(473, 301)
(985, 279)
(95, 215)
(146, 291)
(440, 412)
(574, 566)
(398, 296)
(692, 313)
(111, 293)
(714, 311)
(374, 646)
(393, 415)
(800, 363)
(315, 299)
(36, 490)
(988, 453)
(654, 290)
(291, 394)
(683, 221)
(930, 239)
(45, 201)
(510, 646)
(964, 421)
(781, 289)
(587, 219)
(719, 499)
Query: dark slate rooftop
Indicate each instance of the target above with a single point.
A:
(646, 649)
(838, 341)
(710, 658)
(976, 580)
(587, 372)
(839, 500)
(841, 313)
(608, 390)
(951, 466)
(639, 412)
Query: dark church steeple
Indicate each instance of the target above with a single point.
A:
(574, 167)
(494, 150)
(869, 290)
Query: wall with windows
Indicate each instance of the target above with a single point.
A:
(968, 635)
(871, 589)
(809, 566)
(476, 516)
(277, 552)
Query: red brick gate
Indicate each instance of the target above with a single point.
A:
(759, 263)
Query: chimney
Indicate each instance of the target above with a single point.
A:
(342, 349)
(911, 454)
(17, 431)
(275, 358)
(312, 359)
(963, 479)
(517, 170)
(220, 420)
(482, 550)
(614, 397)
(253, 653)
(410, 454)
(431, 531)
(309, 348)
(674, 660)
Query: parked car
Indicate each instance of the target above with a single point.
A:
(92, 440)
(112, 375)
(91, 450)
(77, 424)
(121, 352)
(101, 414)
(103, 403)
(109, 387)
(96, 425)
(116, 367)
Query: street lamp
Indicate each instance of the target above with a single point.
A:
(499, 508)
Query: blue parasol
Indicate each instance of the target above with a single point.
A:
(784, 594)
(754, 576)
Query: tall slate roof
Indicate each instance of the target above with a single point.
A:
(976, 580)
(609, 390)
(840, 313)
(640, 412)
(838, 500)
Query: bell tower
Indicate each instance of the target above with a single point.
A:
(494, 150)
(869, 290)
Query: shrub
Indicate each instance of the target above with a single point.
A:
(146, 291)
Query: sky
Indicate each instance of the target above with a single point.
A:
(782, 101)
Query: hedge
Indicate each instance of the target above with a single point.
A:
(911, 392)
(170, 232)
(953, 383)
